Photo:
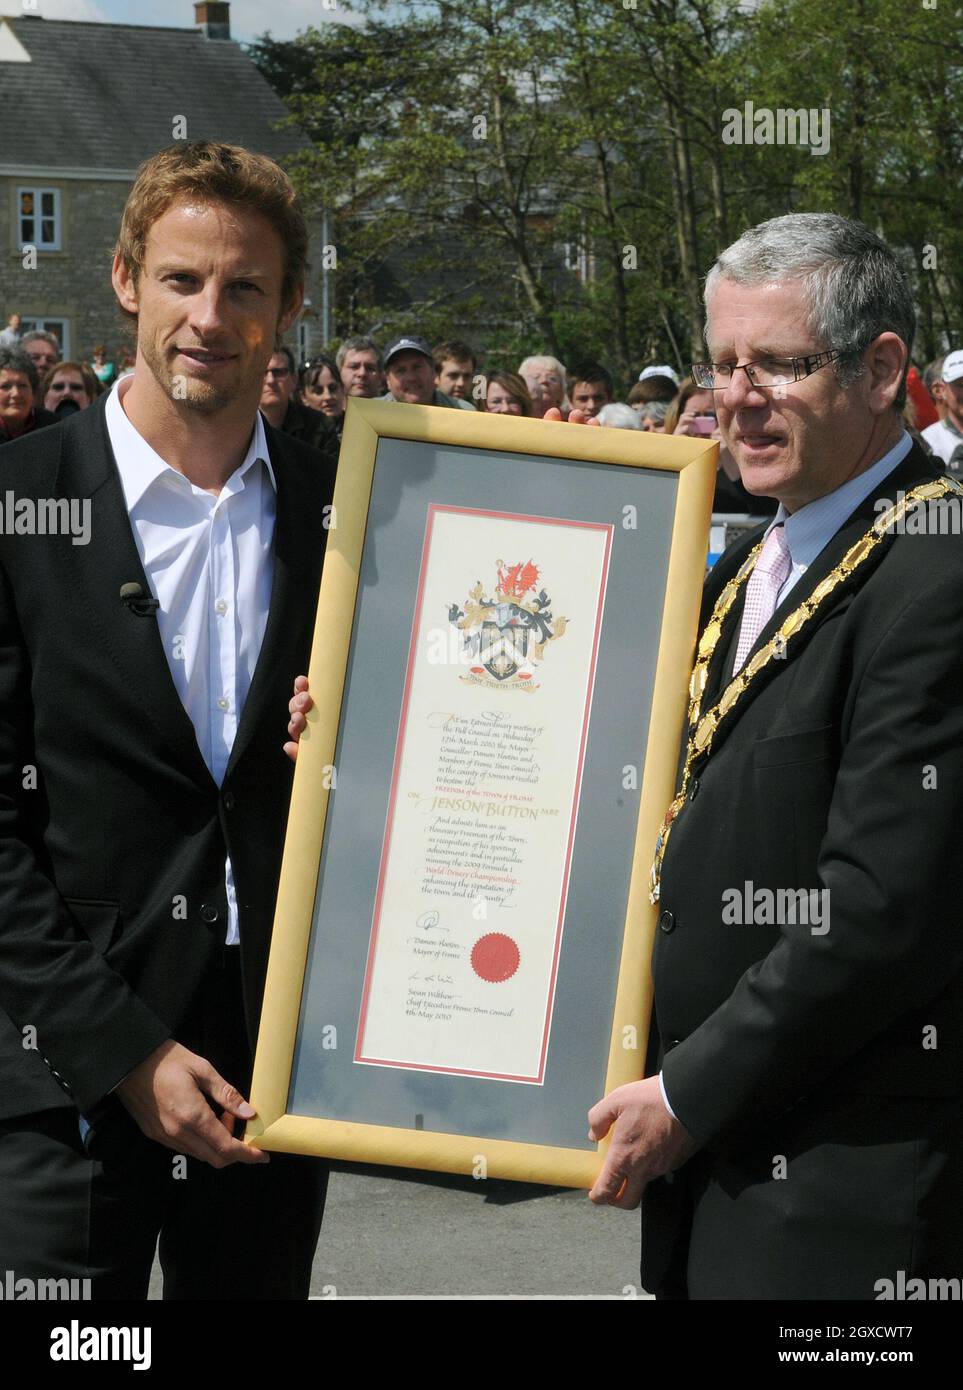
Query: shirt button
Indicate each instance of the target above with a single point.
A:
(666, 922)
(209, 913)
(223, 703)
(220, 606)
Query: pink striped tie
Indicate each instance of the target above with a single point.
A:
(762, 591)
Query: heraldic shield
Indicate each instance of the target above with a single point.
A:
(503, 643)
(507, 634)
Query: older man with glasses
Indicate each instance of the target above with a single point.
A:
(800, 1131)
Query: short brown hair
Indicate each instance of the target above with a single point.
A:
(454, 351)
(91, 385)
(215, 173)
(653, 388)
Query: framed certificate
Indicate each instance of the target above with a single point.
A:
(459, 965)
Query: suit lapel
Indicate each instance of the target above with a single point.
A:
(914, 469)
(296, 558)
(110, 559)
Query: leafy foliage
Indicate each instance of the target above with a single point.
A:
(550, 175)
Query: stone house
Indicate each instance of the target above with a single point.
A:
(81, 106)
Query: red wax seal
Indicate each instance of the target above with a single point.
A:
(495, 957)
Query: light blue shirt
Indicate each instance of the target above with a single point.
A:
(810, 530)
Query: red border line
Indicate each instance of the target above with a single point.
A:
(433, 509)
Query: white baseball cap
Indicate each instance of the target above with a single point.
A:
(952, 366)
(659, 371)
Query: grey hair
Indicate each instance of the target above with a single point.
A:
(619, 416)
(856, 286)
(933, 372)
(358, 345)
(553, 362)
(36, 333)
(16, 360)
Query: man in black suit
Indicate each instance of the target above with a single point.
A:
(143, 795)
(801, 1133)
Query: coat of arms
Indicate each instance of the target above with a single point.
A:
(506, 634)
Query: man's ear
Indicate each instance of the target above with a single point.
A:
(886, 358)
(291, 312)
(124, 286)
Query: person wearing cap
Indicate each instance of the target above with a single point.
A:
(410, 373)
(661, 370)
(652, 388)
(945, 437)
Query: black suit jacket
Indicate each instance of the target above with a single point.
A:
(112, 898)
(789, 1040)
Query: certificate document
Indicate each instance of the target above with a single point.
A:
(484, 795)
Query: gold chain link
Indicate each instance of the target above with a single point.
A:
(702, 731)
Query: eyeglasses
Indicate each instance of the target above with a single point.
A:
(767, 373)
(66, 386)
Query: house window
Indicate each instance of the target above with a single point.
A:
(39, 217)
(60, 328)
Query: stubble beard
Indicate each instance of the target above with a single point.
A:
(206, 397)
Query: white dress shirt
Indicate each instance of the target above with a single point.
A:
(210, 564)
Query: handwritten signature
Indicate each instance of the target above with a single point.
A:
(429, 920)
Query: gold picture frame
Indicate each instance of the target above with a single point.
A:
(692, 462)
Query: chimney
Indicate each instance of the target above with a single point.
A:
(214, 17)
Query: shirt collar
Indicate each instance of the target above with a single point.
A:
(140, 466)
(810, 529)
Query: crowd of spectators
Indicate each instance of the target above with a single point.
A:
(308, 401)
